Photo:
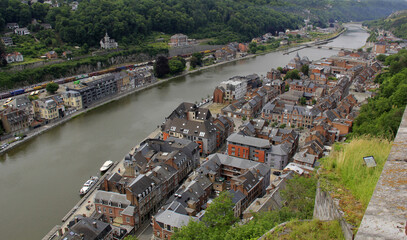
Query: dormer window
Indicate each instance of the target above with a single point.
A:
(110, 203)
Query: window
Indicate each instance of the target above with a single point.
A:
(110, 211)
(127, 219)
(99, 209)
(104, 209)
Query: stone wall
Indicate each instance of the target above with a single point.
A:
(386, 214)
(326, 208)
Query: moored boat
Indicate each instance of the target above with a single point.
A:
(88, 185)
(106, 166)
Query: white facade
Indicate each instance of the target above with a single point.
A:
(234, 89)
(108, 43)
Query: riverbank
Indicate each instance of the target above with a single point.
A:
(32, 134)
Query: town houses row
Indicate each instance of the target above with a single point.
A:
(26, 112)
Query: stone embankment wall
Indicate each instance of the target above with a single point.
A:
(326, 208)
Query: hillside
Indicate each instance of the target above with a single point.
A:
(381, 116)
(132, 22)
(396, 23)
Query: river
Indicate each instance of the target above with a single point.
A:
(40, 180)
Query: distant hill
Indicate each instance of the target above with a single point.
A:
(396, 23)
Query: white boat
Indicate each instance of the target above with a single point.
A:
(106, 165)
(88, 185)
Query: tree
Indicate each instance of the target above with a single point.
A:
(314, 101)
(3, 61)
(292, 74)
(381, 57)
(176, 65)
(220, 213)
(52, 87)
(303, 101)
(287, 88)
(161, 67)
(253, 47)
(280, 69)
(244, 118)
(196, 59)
(305, 69)
(218, 219)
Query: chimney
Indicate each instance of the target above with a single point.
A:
(76, 219)
(66, 229)
(94, 224)
(84, 215)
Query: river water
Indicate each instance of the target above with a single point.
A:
(40, 180)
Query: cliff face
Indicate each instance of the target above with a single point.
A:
(326, 208)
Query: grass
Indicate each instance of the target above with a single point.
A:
(314, 229)
(345, 176)
(216, 108)
(27, 60)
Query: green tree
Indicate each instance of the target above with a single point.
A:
(381, 57)
(280, 69)
(161, 67)
(196, 59)
(220, 213)
(253, 47)
(292, 74)
(287, 88)
(314, 101)
(176, 66)
(52, 87)
(3, 61)
(218, 219)
(305, 69)
(303, 101)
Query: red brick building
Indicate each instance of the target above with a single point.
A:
(219, 95)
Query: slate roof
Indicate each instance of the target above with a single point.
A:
(217, 159)
(86, 228)
(174, 219)
(305, 158)
(185, 107)
(249, 141)
(140, 184)
(113, 197)
(190, 128)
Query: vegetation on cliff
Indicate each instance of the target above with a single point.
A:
(344, 174)
(381, 116)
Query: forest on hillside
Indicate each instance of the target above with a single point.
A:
(131, 22)
(397, 24)
(381, 116)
